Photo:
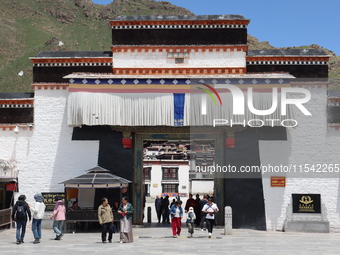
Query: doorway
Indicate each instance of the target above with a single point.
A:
(173, 162)
(172, 167)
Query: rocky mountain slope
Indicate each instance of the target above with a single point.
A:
(30, 26)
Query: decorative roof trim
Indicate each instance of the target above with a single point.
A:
(333, 104)
(333, 101)
(286, 63)
(287, 60)
(10, 127)
(71, 64)
(52, 86)
(40, 62)
(178, 71)
(179, 83)
(178, 24)
(17, 103)
(218, 48)
(310, 84)
(333, 126)
(86, 75)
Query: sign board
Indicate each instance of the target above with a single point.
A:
(306, 203)
(49, 199)
(11, 187)
(277, 181)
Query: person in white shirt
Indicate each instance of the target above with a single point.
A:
(38, 210)
(210, 209)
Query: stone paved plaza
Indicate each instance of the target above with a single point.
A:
(159, 240)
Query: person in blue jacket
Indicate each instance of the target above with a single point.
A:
(176, 213)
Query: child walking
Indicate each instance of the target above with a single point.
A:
(191, 216)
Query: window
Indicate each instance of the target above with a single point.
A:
(178, 56)
(170, 173)
(179, 60)
(170, 188)
(147, 173)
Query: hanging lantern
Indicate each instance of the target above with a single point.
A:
(230, 142)
(127, 143)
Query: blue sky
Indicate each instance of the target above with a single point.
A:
(281, 22)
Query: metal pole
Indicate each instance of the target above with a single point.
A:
(149, 214)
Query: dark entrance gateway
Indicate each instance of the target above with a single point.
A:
(244, 193)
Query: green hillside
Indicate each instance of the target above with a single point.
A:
(30, 26)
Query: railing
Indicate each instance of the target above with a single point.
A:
(5, 217)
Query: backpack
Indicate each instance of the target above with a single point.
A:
(20, 212)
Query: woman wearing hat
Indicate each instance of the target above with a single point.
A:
(191, 216)
(58, 216)
(38, 210)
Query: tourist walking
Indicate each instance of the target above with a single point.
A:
(19, 215)
(38, 210)
(190, 203)
(126, 211)
(58, 217)
(197, 210)
(210, 209)
(191, 216)
(202, 204)
(105, 217)
(173, 202)
(176, 213)
(158, 208)
(165, 209)
(178, 197)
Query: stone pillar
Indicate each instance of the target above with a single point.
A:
(228, 219)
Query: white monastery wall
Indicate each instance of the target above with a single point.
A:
(149, 59)
(311, 142)
(183, 176)
(156, 178)
(157, 175)
(202, 187)
(46, 155)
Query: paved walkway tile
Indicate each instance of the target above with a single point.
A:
(160, 241)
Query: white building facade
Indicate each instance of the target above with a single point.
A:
(140, 84)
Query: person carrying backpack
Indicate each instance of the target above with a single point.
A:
(19, 215)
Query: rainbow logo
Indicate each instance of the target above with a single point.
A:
(209, 90)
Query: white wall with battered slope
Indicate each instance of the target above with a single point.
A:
(312, 143)
(46, 155)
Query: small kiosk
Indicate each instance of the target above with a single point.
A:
(87, 190)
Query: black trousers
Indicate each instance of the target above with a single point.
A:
(210, 224)
(202, 220)
(106, 227)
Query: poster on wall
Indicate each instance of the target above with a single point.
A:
(49, 199)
